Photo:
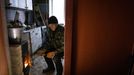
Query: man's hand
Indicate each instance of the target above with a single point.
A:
(50, 54)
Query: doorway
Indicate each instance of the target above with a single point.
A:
(68, 37)
(50, 7)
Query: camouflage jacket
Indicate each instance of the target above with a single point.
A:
(54, 40)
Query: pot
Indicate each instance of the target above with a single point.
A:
(14, 35)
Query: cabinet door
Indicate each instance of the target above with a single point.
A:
(36, 39)
(22, 4)
(13, 3)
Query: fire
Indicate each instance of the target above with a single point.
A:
(26, 64)
(27, 61)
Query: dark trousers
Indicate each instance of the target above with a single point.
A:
(58, 63)
(50, 64)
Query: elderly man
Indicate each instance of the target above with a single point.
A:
(54, 45)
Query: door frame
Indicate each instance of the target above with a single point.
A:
(68, 36)
(69, 13)
(5, 66)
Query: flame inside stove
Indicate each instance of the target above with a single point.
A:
(26, 64)
(27, 61)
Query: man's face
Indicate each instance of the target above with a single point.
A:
(52, 26)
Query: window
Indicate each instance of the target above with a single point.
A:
(57, 8)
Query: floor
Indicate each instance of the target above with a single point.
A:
(38, 64)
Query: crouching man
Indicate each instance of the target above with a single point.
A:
(54, 46)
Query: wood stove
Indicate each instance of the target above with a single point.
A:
(26, 56)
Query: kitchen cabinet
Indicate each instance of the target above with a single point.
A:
(12, 3)
(35, 39)
(23, 4)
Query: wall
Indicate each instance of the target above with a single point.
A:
(102, 37)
